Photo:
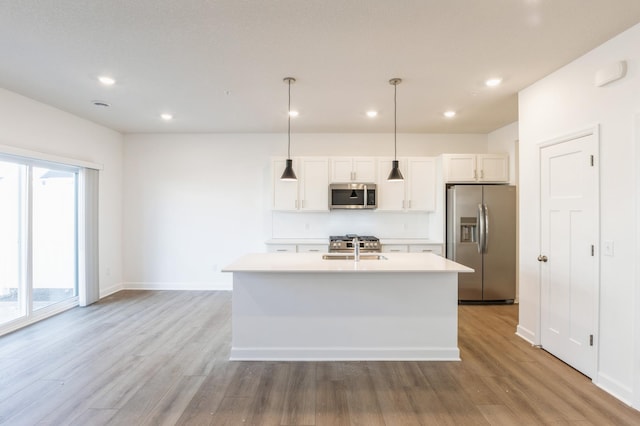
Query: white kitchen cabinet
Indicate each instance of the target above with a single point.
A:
(421, 184)
(313, 248)
(391, 194)
(418, 190)
(314, 184)
(281, 248)
(493, 167)
(395, 248)
(476, 167)
(412, 248)
(309, 193)
(426, 248)
(353, 169)
(285, 193)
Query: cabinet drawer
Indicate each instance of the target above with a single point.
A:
(426, 248)
(395, 248)
(312, 248)
(281, 248)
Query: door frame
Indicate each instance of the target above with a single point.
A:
(595, 132)
(636, 374)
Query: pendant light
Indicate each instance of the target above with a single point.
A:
(395, 174)
(288, 173)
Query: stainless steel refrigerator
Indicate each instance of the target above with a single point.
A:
(481, 234)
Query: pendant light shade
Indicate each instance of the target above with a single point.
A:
(395, 175)
(288, 173)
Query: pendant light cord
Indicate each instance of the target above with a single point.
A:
(395, 121)
(289, 123)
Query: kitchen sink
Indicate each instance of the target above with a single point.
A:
(352, 257)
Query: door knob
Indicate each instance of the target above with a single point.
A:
(542, 258)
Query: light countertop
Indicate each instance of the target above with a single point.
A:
(313, 262)
(325, 241)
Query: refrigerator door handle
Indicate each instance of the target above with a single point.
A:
(485, 245)
(481, 235)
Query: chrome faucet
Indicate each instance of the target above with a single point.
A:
(356, 249)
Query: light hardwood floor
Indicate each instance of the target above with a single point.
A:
(160, 357)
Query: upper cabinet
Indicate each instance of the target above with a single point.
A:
(417, 192)
(353, 169)
(309, 193)
(421, 183)
(476, 167)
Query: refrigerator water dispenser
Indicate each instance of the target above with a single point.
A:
(468, 226)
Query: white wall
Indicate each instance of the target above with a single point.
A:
(195, 202)
(31, 125)
(505, 139)
(565, 102)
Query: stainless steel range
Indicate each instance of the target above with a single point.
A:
(344, 243)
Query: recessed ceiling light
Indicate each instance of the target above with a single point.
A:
(493, 82)
(166, 116)
(449, 114)
(101, 103)
(372, 114)
(293, 113)
(106, 80)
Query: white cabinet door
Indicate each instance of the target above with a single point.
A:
(285, 193)
(364, 169)
(421, 184)
(476, 167)
(314, 184)
(350, 169)
(341, 169)
(391, 194)
(459, 167)
(493, 167)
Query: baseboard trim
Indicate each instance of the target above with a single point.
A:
(177, 286)
(614, 388)
(108, 291)
(344, 354)
(526, 334)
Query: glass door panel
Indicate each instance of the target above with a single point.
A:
(12, 196)
(54, 237)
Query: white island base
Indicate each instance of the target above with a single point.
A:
(344, 310)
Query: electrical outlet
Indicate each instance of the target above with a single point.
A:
(607, 248)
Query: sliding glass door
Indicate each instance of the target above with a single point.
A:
(12, 248)
(38, 237)
(54, 236)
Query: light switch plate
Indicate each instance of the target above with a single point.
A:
(607, 248)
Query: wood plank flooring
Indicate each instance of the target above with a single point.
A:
(161, 358)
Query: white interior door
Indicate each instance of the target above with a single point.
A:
(568, 259)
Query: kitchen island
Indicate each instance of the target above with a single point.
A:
(300, 306)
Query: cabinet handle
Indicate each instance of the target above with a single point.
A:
(427, 251)
(314, 250)
(296, 204)
(481, 174)
(394, 250)
(303, 204)
(409, 203)
(282, 250)
(475, 174)
(403, 204)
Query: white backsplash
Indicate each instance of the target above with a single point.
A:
(339, 222)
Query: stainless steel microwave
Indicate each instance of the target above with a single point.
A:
(352, 196)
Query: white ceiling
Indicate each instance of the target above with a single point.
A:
(218, 65)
